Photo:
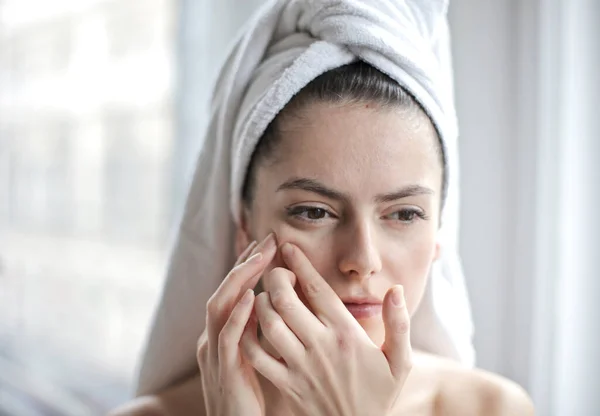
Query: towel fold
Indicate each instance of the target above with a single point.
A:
(283, 47)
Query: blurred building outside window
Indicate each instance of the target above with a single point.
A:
(87, 156)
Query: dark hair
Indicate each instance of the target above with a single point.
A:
(357, 82)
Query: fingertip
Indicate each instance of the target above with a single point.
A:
(248, 296)
(397, 297)
(278, 275)
(395, 307)
(268, 246)
(271, 242)
(255, 258)
(252, 247)
(247, 252)
(287, 249)
(390, 297)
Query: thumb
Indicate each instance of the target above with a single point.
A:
(396, 321)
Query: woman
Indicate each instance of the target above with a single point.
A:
(341, 171)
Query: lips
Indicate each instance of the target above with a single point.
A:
(363, 308)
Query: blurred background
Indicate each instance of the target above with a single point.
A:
(103, 106)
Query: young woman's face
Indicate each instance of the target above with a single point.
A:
(357, 188)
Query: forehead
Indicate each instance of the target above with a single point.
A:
(358, 148)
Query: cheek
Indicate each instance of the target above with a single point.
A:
(409, 266)
(412, 261)
(315, 245)
(311, 243)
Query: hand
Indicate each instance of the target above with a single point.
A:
(329, 366)
(229, 383)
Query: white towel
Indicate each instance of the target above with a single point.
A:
(283, 47)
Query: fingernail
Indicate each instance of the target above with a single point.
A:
(247, 297)
(270, 242)
(250, 249)
(287, 249)
(255, 258)
(398, 296)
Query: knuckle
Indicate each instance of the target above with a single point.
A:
(225, 341)
(262, 300)
(234, 320)
(252, 356)
(343, 343)
(233, 273)
(275, 275)
(345, 340)
(271, 327)
(402, 327)
(201, 351)
(237, 270)
(202, 342)
(213, 307)
(281, 273)
(281, 301)
(312, 290)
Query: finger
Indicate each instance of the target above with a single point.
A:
(243, 275)
(263, 362)
(325, 303)
(237, 281)
(276, 331)
(396, 321)
(299, 319)
(231, 334)
(245, 254)
(262, 253)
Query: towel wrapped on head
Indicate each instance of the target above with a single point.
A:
(283, 47)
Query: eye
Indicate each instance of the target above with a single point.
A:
(308, 213)
(407, 215)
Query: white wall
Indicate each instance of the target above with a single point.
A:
(527, 94)
(484, 59)
(577, 352)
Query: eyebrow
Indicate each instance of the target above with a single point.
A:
(311, 185)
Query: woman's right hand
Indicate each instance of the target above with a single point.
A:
(229, 383)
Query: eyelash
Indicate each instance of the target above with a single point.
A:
(298, 211)
(412, 213)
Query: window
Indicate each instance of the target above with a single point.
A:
(86, 157)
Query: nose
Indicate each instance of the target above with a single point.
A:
(359, 256)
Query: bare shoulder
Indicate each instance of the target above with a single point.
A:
(182, 399)
(143, 406)
(466, 391)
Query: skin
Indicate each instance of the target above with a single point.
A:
(361, 244)
(373, 229)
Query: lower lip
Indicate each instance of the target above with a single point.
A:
(363, 310)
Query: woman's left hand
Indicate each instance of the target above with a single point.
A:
(329, 366)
